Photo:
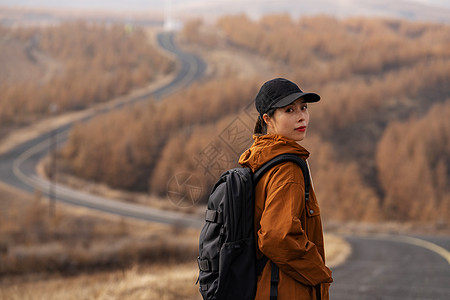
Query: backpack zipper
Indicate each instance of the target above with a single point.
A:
(231, 236)
(243, 203)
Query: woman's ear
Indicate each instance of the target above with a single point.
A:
(267, 120)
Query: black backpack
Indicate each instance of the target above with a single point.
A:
(228, 268)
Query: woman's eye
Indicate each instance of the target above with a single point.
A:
(289, 109)
(304, 107)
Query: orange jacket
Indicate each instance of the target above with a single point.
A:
(287, 232)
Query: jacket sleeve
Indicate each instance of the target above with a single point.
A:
(281, 236)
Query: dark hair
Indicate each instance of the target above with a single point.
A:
(261, 126)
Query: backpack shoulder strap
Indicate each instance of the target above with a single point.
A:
(274, 276)
(282, 158)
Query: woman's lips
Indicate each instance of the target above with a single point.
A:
(301, 129)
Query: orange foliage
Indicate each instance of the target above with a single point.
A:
(413, 162)
(342, 193)
(371, 75)
(144, 146)
(80, 64)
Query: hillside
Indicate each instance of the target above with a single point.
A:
(376, 77)
(67, 67)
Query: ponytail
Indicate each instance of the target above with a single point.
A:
(260, 126)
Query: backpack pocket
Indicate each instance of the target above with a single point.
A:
(237, 259)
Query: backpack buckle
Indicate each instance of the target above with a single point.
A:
(203, 265)
(213, 216)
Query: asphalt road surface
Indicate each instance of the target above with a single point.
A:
(394, 268)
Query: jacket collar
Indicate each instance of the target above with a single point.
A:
(265, 147)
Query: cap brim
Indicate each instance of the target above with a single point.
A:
(308, 97)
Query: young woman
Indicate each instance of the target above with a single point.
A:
(288, 230)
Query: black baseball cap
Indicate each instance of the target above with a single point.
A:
(280, 92)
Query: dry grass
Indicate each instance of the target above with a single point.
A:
(150, 282)
(154, 282)
(77, 240)
(81, 254)
(337, 250)
(168, 282)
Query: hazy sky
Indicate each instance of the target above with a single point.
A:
(145, 4)
(340, 8)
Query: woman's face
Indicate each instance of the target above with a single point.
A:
(290, 121)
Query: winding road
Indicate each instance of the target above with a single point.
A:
(18, 166)
(380, 267)
(387, 267)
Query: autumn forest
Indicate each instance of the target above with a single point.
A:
(379, 139)
(70, 67)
